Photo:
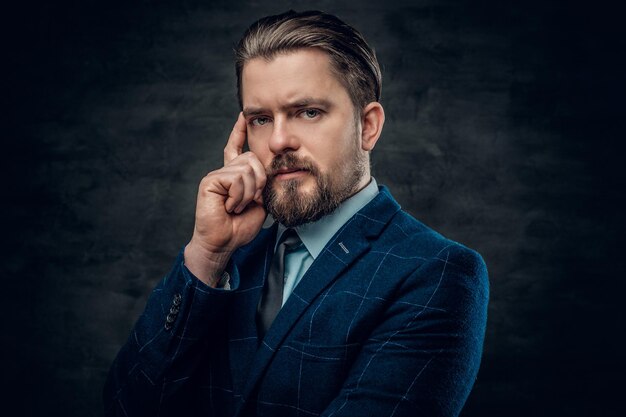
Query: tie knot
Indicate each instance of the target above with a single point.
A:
(290, 240)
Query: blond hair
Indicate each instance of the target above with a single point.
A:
(352, 60)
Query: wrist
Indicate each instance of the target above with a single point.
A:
(207, 265)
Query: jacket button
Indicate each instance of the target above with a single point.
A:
(169, 321)
(174, 309)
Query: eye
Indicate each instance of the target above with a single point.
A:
(311, 113)
(259, 121)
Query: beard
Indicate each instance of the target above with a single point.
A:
(292, 207)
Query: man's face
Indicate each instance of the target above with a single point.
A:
(303, 128)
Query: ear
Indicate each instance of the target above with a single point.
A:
(372, 123)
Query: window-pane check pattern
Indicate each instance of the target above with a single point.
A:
(388, 321)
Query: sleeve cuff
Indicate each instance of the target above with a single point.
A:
(229, 281)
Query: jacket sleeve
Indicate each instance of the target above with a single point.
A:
(151, 371)
(422, 357)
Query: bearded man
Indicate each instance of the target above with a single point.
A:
(305, 290)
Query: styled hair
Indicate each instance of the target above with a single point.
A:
(353, 61)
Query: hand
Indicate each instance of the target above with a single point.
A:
(229, 209)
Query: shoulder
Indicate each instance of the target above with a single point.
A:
(434, 259)
(424, 274)
(412, 244)
(408, 235)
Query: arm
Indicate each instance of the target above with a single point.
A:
(151, 370)
(423, 357)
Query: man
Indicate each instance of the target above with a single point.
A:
(341, 304)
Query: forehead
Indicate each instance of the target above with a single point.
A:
(290, 76)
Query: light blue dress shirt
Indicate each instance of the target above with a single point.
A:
(316, 235)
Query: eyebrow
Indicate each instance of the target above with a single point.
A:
(297, 104)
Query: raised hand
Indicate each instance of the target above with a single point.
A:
(229, 209)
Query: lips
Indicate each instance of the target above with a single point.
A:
(288, 170)
(287, 173)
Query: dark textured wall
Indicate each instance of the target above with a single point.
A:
(502, 132)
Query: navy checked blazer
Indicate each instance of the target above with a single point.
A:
(389, 320)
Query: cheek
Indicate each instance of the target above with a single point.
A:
(344, 145)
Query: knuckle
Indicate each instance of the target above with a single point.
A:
(248, 170)
(205, 179)
(252, 156)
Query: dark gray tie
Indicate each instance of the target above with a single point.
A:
(272, 297)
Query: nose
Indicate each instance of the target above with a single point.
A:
(283, 137)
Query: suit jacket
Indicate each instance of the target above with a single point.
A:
(388, 321)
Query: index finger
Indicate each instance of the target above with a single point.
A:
(234, 146)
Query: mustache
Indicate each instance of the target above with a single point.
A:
(290, 161)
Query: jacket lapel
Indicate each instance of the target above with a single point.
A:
(348, 244)
(253, 261)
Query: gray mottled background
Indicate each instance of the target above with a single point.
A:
(503, 129)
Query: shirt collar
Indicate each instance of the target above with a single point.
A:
(316, 235)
